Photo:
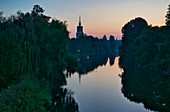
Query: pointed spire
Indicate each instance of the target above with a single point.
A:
(79, 21)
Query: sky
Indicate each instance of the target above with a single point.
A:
(99, 17)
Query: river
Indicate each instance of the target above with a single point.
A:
(99, 90)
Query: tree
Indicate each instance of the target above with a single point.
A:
(168, 17)
(112, 42)
(11, 61)
(131, 31)
(2, 19)
(1, 13)
(104, 38)
(37, 10)
(31, 46)
(146, 48)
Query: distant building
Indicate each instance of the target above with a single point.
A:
(79, 29)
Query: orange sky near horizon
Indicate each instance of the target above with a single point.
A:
(99, 17)
(111, 17)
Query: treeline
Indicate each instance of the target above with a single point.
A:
(34, 53)
(93, 52)
(89, 45)
(145, 46)
(145, 59)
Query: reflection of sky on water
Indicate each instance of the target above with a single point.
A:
(100, 91)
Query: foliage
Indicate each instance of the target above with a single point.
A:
(163, 54)
(130, 31)
(90, 45)
(71, 63)
(93, 52)
(145, 59)
(41, 42)
(168, 17)
(63, 101)
(37, 10)
(25, 96)
(147, 47)
(35, 44)
(11, 58)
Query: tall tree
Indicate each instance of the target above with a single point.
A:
(33, 51)
(131, 31)
(37, 10)
(168, 17)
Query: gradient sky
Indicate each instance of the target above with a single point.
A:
(99, 17)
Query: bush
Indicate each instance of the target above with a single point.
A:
(27, 96)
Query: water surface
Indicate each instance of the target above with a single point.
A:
(100, 90)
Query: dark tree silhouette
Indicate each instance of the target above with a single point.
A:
(145, 59)
(168, 16)
(37, 10)
(33, 56)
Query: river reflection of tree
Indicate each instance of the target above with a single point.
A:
(87, 63)
(63, 101)
(90, 62)
(142, 86)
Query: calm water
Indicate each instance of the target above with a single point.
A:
(100, 91)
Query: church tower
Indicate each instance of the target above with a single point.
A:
(79, 29)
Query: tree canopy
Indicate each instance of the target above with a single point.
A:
(33, 51)
(145, 59)
(37, 10)
(168, 16)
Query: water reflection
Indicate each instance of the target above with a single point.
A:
(100, 88)
(63, 101)
(91, 62)
(141, 86)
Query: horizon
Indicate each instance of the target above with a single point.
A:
(98, 20)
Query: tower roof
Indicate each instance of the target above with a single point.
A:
(79, 21)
